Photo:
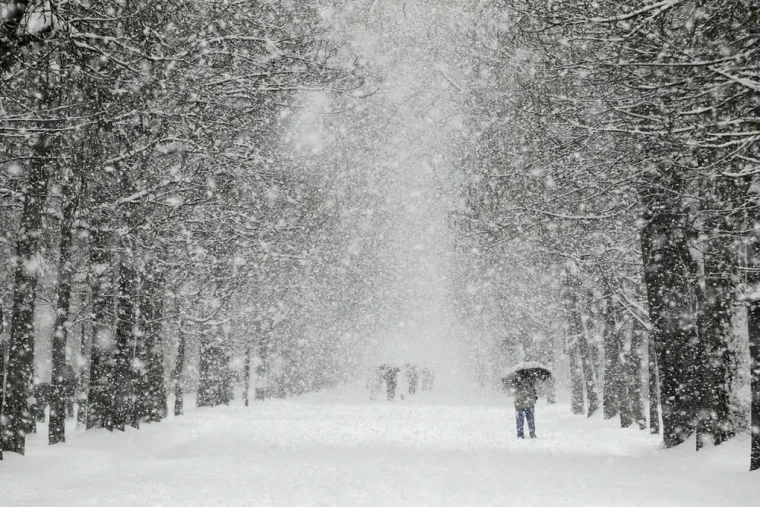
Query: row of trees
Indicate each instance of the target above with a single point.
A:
(144, 199)
(620, 148)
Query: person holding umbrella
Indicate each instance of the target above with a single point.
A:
(521, 381)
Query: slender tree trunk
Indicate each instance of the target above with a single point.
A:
(15, 419)
(576, 381)
(247, 375)
(57, 424)
(612, 369)
(83, 379)
(666, 259)
(633, 374)
(151, 314)
(587, 364)
(99, 399)
(179, 366)
(3, 352)
(654, 389)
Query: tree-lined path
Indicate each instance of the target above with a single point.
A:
(441, 448)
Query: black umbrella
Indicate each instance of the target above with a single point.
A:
(526, 374)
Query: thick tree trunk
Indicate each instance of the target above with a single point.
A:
(753, 328)
(654, 389)
(714, 324)
(179, 366)
(666, 259)
(57, 424)
(212, 382)
(3, 351)
(99, 399)
(576, 381)
(15, 420)
(753, 324)
(587, 363)
(152, 386)
(124, 377)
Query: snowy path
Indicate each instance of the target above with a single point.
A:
(341, 450)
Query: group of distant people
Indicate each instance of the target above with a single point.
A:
(388, 375)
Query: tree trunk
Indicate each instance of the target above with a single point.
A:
(246, 375)
(576, 381)
(3, 351)
(753, 328)
(212, 382)
(179, 365)
(83, 377)
(633, 374)
(666, 259)
(15, 417)
(151, 314)
(654, 389)
(714, 325)
(99, 399)
(612, 369)
(124, 377)
(57, 424)
(587, 364)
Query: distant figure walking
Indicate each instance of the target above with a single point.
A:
(525, 402)
(412, 378)
(375, 382)
(428, 376)
(391, 379)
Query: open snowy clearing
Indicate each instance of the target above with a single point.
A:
(337, 448)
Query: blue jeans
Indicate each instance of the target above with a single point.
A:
(529, 415)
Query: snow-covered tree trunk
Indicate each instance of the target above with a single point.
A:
(753, 329)
(15, 418)
(57, 423)
(179, 366)
(654, 388)
(576, 381)
(246, 375)
(714, 326)
(99, 398)
(612, 370)
(633, 374)
(666, 259)
(152, 389)
(123, 385)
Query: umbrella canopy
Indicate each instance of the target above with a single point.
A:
(526, 373)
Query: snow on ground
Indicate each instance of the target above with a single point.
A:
(337, 448)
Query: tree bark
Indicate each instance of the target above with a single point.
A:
(57, 423)
(124, 375)
(576, 381)
(715, 297)
(612, 369)
(753, 329)
(667, 262)
(99, 399)
(633, 374)
(654, 389)
(152, 389)
(179, 365)
(246, 375)
(15, 419)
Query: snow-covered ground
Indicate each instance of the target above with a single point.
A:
(337, 448)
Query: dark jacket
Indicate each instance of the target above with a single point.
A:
(525, 396)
